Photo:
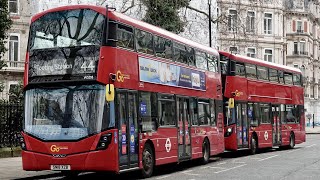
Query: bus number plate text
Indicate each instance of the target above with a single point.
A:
(60, 167)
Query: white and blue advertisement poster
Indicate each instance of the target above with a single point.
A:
(171, 75)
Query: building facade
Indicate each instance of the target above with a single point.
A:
(12, 75)
(303, 48)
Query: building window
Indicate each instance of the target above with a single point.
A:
(295, 48)
(268, 55)
(232, 20)
(13, 50)
(251, 52)
(250, 21)
(13, 6)
(233, 50)
(267, 23)
(302, 47)
(299, 27)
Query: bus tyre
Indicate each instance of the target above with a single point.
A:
(205, 152)
(147, 161)
(253, 146)
(292, 141)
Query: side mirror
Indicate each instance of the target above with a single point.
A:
(109, 92)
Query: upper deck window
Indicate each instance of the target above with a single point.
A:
(180, 53)
(70, 28)
(144, 42)
(251, 71)
(297, 79)
(273, 75)
(212, 63)
(201, 61)
(262, 73)
(240, 69)
(281, 77)
(288, 78)
(163, 47)
(125, 36)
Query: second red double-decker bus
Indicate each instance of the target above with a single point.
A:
(105, 92)
(265, 103)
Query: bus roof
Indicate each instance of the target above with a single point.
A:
(260, 62)
(133, 22)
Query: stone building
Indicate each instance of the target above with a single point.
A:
(303, 47)
(20, 13)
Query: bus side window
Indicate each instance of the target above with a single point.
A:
(291, 113)
(283, 114)
(297, 79)
(251, 71)
(288, 78)
(201, 61)
(125, 36)
(262, 73)
(253, 113)
(190, 56)
(144, 41)
(148, 111)
(213, 113)
(265, 112)
(194, 111)
(224, 64)
(273, 75)
(204, 113)
(281, 78)
(240, 69)
(166, 110)
(212, 63)
(180, 53)
(162, 47)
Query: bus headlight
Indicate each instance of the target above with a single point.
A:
(22, 142)
(229, 132)
(104, 141)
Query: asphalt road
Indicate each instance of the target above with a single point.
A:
(302, 162)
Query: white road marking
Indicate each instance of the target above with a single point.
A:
(268, 158)
(229, 169)
(222, 163)
(213, 167)
(204, 167)
(292, 151)
(311, 145)
(255, 158)
(188, 173)
(162, 177)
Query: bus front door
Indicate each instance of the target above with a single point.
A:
(242, 125)
(276, 125)
(184, 125)
(128, 129)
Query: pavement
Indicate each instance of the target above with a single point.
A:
(311, 130)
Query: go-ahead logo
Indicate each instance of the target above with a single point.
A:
(55, 148)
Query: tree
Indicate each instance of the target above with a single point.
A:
(165, 14)
(5, 24)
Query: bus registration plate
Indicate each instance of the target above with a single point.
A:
(60, 167)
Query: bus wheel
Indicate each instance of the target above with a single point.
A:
(292, 141)
(253, 146)
(205, 152)
(147, 161)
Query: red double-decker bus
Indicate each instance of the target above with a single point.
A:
(264, 103)
(105, 92)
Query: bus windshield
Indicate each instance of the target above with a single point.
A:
(64, 112)
(69, 28)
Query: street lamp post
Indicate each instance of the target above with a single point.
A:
(210, 39)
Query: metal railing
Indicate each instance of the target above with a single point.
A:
(300, 53)
(14, 64)
(11, 117)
